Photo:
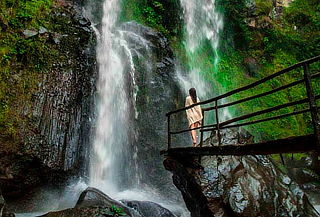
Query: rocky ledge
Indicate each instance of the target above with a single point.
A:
(237, 186)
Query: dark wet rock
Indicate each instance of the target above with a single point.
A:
(93, 202)
(93, 196)
(155, 40)
(20, 173)
(3, 209)
(2, 204)
(252, 66)
(56, 127)
(60, 115)
(303, 175)
(238, 186)
(147, 208)
(157, 91)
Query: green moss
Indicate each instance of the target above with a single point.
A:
(286, 41)
(264, 7)
(23, 61)
(163, 17)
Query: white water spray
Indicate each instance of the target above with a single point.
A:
(113, 162)
(112, 121)
(202, 23)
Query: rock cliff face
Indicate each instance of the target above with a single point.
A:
(157, 91)
(56, 128)
(61, 109)
(237, 186)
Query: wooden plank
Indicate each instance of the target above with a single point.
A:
(299, 144)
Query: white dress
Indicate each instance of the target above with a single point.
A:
(194, 114)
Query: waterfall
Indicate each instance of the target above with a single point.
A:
(111, 134)
(203, 23)
(114, 160)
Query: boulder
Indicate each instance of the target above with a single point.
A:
(148, 209)
(237, 186)
(93, 202)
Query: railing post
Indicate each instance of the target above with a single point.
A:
(201, 132)
(314, 115)
(218, 124)
(169, 133)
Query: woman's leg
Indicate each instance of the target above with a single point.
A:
(194, 133)
(197, 124)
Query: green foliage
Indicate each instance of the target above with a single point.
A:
(264, 7)
(283, 42)
(117, 210)
(154, 14)
(22, 60)
(112, 211)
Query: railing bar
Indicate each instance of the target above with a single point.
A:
(259, 121)
(314, 116)
(183, 131)
(217, 122)
(243, 124)
(249, 116)
(264, 111)
(268, 119)
(169, 133)
(315, 75)
(201, 133)
(309, 61)
(261, 95)
(257, 96)
(259, 113)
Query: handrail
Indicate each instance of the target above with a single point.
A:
(290, 68)
(261, 94)
(311, 99)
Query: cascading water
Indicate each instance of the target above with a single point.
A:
(113, 146)
(203, 23)
(114, 161)
(110, 149)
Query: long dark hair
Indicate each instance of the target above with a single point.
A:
(193, 94)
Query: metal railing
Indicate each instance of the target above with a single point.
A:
(218, 126)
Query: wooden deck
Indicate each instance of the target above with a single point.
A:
(299, 144)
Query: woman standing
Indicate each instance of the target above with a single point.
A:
(194, 114)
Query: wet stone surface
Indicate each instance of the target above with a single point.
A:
(240, 186)
(57, 126)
